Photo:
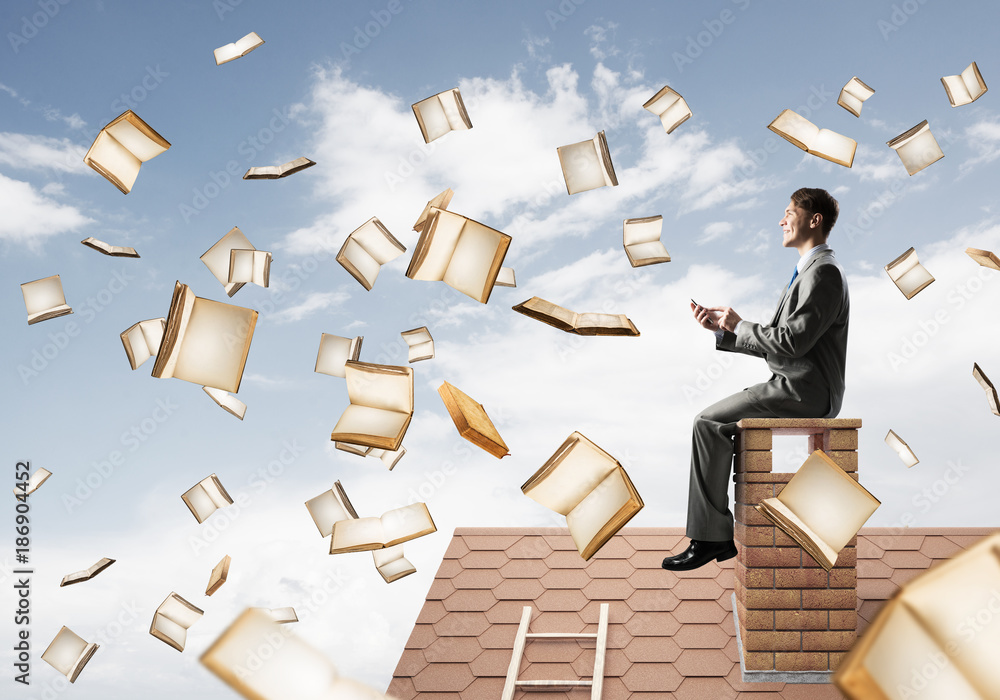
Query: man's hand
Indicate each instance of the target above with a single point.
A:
(725, 317)
(704, 317)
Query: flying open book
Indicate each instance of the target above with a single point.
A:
(641, 238)
(121, 147)
(908, 274)
(381, 407)
(821, 507)
(44, 299)
(441, 113)
(249, 266)
(218, 576)
(440, 201)
(118, 251)
(367, 249)
(505, 278)
(86, 574)
(589, 487)
(218, 258)
(670, 107)
(393, 527)
(853, 96)
(142, 340)
(464, 254)
(238, 49)
(420, 344)
(206, 497)
(273, 172)
(390, 458)
(587, 165)
(333, 506)
(917, 148)
(68, 653)
(985, 258)
(471, 421)
(34, 481)
(206, 342)
(901, 448)
(824, 143)
(572, 322)
(227, 402)
(290, 669)
(335, 351)
(172, 620)
(936, 638)
(965, 88)
(987, 385)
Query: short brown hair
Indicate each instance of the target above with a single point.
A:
(817, 201)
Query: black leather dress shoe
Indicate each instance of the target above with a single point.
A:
(699, 553)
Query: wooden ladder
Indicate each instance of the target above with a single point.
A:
(596, 683)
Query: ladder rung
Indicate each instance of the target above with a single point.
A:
(554, 684)
(561, 635)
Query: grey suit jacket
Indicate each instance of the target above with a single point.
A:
(805, 344)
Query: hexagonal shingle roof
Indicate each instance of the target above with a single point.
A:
(669, 635)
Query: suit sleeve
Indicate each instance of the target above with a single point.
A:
(817, 305)
(726, 342)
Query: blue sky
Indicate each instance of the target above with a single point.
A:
(334, 82)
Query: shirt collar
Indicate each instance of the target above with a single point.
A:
(805, 258)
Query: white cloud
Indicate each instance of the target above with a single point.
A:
(33, 152)
(30, 217)
(314, 302)
(714, 231)
(985, 138)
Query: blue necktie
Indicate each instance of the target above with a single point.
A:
(794, 275)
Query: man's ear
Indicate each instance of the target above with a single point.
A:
(816, 221)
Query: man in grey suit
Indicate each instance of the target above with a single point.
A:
(805, 346)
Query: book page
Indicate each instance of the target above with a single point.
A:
(334, 352)
(662, 101)
(217, 258)
(675, 115)
(913, 279)
(597, 509)
(902, 648)
(134, 140)
(582, 167)
(919, 150)
(442, 234)
(294, 670)
(137, 344)
(383, 387)
(64, 651)
(357, 534)
(835, 147)
(170, 629)
(433, 118)
(401, 524)
(152, 333)
(453, 109)
(795, 128)
(179, 611)
(43, 295)
(575, 470)
(114, 159)
(325, 510)
(471, 270)
(201, 502)
(850, 102)
(957, 89)
(373, 422)
(377, 241)
(609, 321)
(646, 251)
(794, 527)
(241, 265)
(828, 501)
(565, 318)
(644, 230)
(958, 602)
(365, 265)
(215, 345)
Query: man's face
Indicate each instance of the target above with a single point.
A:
(795, 227)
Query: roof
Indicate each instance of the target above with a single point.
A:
(669, 632)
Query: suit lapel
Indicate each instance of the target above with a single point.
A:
(784, 295)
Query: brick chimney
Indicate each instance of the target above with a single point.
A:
(795, 621)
